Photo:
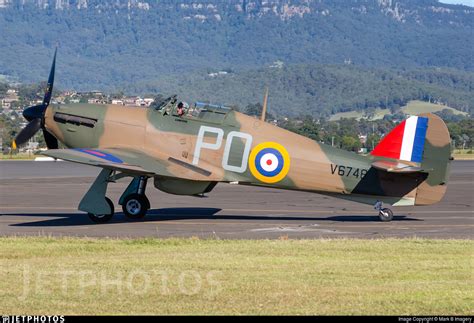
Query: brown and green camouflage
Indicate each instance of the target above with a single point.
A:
(189, 154)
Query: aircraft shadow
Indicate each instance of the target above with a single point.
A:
(176, 214)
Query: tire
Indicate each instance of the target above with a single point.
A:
(386, 215)
(103, 218)
(135, 206)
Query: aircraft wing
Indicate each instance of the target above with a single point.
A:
(132, 162)
(395, 166)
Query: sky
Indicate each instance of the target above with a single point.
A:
(464, 2)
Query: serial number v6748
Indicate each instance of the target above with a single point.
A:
(347, 171)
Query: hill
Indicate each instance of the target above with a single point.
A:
(413, 108)
(321, 90)
(109, 44)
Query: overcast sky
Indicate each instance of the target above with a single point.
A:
(465, 2)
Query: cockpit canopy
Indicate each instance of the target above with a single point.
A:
(204, 111)
(208, 112)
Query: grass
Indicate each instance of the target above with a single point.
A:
(417, 107)
(463, 154)
(379, 114)
(21, 156)
(44, 275)
(412, 108)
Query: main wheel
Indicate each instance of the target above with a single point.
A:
(103, 218)
(135, 206)
(385, 215)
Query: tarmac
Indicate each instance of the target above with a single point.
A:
(41, 198)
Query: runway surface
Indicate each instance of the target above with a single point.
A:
(41, 198)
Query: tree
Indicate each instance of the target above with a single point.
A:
(370, 113)
(309, 128)
(3, 89)
(350, 143)
(118, 95)
(372, 140)
(31, 92)
(254, 109)
(394, 108)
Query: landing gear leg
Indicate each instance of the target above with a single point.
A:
(99, 207)
(385, 214)
(134, 202)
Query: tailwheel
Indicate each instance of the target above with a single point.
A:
(135, 206)
(385, 215)
(103, 218)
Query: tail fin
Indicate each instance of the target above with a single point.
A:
(423, 141)
(405, 142)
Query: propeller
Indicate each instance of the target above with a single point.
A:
(35, 116)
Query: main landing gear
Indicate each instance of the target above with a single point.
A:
(385, 214)
(134, 202)
(100, 208)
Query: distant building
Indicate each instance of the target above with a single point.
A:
(32, 145)
(140, 102)
(93, 101)
(96, 93)
(277, 64)
(130, 101)
(148, 101)
(217, 73)
(7, 102)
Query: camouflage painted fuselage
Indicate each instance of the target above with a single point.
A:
(195, 156)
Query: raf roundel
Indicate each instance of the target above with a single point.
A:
(269, 162)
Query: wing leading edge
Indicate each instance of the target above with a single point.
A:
(132, 162)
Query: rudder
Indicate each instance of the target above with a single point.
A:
(436, 161)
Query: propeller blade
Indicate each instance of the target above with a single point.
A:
(35, 116)
(49, 87)
(34, 112)
(26, 133)
(51, 141)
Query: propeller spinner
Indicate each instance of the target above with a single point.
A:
(35, 116)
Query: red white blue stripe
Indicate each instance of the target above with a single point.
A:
(405, 142)
(414, 139)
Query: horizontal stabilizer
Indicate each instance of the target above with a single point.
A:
(395, 167)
